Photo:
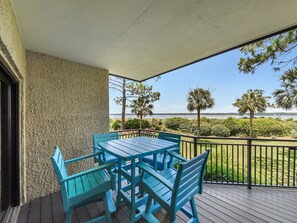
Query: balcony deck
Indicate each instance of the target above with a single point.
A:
(218, 203)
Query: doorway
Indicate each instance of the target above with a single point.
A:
(9, 142)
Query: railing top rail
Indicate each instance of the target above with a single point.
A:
(215, 137)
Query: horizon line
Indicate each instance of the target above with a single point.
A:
(213, 113)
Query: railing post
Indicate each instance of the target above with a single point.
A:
(138, 132)
(195, 147)
(249, 163)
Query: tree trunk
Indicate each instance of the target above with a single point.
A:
(141, 121)
(251, 124)
(123, 105)
(198, 122)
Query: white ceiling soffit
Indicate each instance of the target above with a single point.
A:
(139, 39)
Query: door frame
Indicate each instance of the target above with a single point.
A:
(10, 167)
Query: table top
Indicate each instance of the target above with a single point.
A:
(132, 148)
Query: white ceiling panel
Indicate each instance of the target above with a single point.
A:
(139, 39)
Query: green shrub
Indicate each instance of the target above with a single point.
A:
(264, 127)
(244, 127)
(158, 127)
(116, 125)
(155, 123)
(134, 123)
(205, 129)
(220, 130)
(188, 128)
(215, 121)
(176, 122)
(232, 125)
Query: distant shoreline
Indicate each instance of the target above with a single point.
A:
(223, 113)
(281, 115)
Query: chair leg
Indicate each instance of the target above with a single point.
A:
(172, 217)
(111, 206)
(148, 204)
(69, 216)
(106, 207)
(194, 210)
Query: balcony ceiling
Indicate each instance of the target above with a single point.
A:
(139, 39)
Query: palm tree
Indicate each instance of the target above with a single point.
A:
(142, 107)
(253, 101)
(287, 97)
(199, 99)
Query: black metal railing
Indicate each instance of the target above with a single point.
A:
(242, 161)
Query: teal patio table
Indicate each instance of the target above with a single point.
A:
(133, 149)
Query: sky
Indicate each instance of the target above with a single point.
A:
(220, 74)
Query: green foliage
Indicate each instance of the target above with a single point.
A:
(215, 121)
(176, 122)
(220, 130)
(130, 90)
(199, 99)
(205, 129)
(135, 123)
(233, 125)
(264, 127)
(251, 102)
(116, 124)
(156, 123)
(275, 50)
(279, 51)
(287, 96)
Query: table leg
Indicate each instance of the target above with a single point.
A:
(133, 187)
(119, 200)
(155, 161)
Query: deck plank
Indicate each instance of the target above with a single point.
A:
(82, 214)
(35, 210)
(218, 203)
(277, 205)
(46, 210)
(272, 215)
(24, 212)
(245, 216)
(57, 208)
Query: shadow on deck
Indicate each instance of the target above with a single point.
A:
(218, 203)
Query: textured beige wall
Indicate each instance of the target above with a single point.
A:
(66, 103)
(12, 50)
(12, 56)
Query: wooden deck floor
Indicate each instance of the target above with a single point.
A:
(218, 203)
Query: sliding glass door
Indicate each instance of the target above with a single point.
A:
(9, 143)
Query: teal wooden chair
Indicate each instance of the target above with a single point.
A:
(86, 187)
(162, 159)
(172, 188)
(104, 157)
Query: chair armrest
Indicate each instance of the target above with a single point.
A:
(177, 156)
(156, 175)
(97, 147)
(101, 167)
(83, 157)
(173, 149)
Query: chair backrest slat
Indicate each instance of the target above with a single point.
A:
(59, 165)
(189, 179)
(104, 137)
(60, 170)
(170, 137)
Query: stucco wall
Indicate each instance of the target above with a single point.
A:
(12, 56)
(12, 50)
(66, 103)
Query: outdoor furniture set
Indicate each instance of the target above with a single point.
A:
(148, 174)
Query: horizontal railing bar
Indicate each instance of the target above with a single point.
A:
(215, 137)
